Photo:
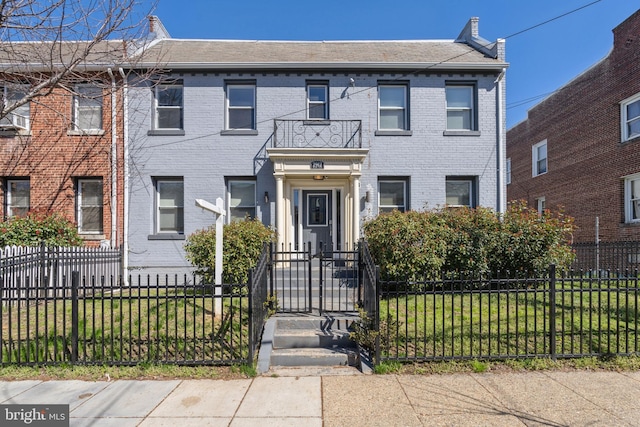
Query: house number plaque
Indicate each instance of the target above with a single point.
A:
(317, 164)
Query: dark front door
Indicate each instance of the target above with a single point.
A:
(317, 219)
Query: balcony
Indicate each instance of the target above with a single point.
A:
(317, 134)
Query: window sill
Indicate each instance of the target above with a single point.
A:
(393, 133)
(85, 132)
(461, 133)
(86, 236)
(166, 236)
(12, 133)
(166, 132)
(239, 132)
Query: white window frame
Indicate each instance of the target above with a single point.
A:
(229, 107)
(470, 110)
(508, 171)
(9, 196)
(230, 203)
(159, 182)
(403, 108)
(471, 185)
(541, 205)
(79, 108)
(629, 199)
(404, 207)
(19, 118)
(81, 205)
(626, 121)
(157, 108)
(535, 159)
(324, 103)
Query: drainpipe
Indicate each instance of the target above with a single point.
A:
(501, 145)
(114, 162)
(125, 190)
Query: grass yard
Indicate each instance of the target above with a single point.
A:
(128, 327)
(499, 323)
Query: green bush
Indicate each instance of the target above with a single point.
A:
(53, 229)
(242, 244)
(418, 245)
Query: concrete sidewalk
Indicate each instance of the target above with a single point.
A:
(545, 398)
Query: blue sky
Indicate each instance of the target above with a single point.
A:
(542, 59)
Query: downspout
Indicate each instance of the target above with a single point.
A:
(125, 190)
(501, 146)
(114, 162)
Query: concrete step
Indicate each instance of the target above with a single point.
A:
(311, 338)
(313, 357)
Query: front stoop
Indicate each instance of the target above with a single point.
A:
(308, 344)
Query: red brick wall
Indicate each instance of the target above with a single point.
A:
(53, 159)
(586, 160)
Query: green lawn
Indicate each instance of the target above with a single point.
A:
(142, 325)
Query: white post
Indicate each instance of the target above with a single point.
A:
(219, 211)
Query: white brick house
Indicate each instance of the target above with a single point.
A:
(312, 138)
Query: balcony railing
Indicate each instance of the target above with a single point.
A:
(317, 134)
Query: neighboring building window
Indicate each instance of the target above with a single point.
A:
(87, 108)
(18, 118)
(631, 118)
(461, 191)
(242, 199)
(318, 101)
(392, 195)
(392, 107)
(241, 106)
(169, 205)
(90, 206)
(18, 197)
(508, 171)
(539, 156)
(632, 198)
(541, 204)
(461, 107)
(169, 106)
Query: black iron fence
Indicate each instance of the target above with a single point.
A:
(607, 256)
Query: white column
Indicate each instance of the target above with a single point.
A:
(355, 194)
(280, 211)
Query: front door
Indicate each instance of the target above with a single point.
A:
(317, 219)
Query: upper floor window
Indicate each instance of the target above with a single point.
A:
(461, 104)
(632, 198)
(241, 106)
(539, 158)
(242, 199)
(461, 191)
(508, 172)
(18, 197)
(393, 195)
(19, 117)
(392, 107)
(169, 106)
(317, 101)
(90, 206)
(169, 205)
(630, 118)
(87, 108)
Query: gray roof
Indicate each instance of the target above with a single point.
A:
(238, 54)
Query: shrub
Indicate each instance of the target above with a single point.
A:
(53, 229)
(243, 242)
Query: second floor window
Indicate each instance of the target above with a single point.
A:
(19, 117)
(90, 206)
(241, 106)
(631, 118)
(18, 197)
(460, 107)
(168, 106)
(87, 108)
(392, 107)
(317, 102)
(539, 158)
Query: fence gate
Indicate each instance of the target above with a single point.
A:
(321, 282)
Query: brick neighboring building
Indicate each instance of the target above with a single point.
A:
(580, 147)
(57, 155)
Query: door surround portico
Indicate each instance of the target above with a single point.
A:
(338, 170)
